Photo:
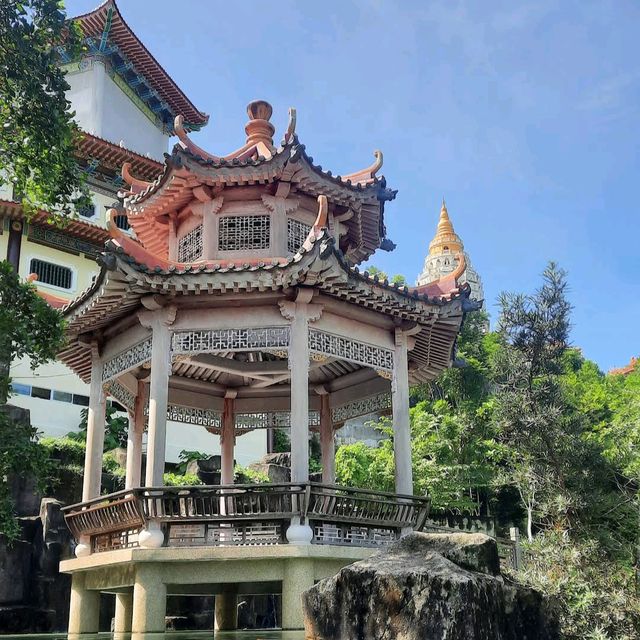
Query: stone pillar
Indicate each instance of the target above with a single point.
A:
(401, 426)
(123, 614)
(226, 611)
(158, 319)
(298, 577)
(228, 438)
(149, 603)
(134, 438)
(84, 608)
(300, 313)
(327, 441)
(95, 430)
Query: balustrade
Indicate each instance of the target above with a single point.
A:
(246, 514)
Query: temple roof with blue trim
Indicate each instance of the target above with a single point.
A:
(106, 33)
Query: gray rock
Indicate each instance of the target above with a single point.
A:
(427, 587)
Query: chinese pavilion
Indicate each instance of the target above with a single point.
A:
(238, 305)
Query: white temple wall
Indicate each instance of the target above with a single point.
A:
(105, 110)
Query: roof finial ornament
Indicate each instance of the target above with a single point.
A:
(259, 129)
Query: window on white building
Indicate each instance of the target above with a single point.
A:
(51, 273)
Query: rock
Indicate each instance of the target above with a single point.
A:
(275, 472)
(427, 587)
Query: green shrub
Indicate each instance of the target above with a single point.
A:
(180, 480)
(594, 596)
(245, 475)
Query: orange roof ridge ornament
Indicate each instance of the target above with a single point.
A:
(187, 143)
(136, 185)
(321, 223)
(367, 175)
(291, 126)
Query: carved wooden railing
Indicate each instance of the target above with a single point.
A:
(246, 514)
(350, 516)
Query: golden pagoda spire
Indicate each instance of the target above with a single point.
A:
(446, 239)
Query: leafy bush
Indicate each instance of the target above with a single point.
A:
(245, 475)
(595, 597)
(180, 480)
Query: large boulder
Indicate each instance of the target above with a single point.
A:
(427, 587)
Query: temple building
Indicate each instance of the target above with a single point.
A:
(125, 103)
(447, 260)
(238, 305)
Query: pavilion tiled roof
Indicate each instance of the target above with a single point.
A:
(260, 162)
(125, 278)
(108, 31)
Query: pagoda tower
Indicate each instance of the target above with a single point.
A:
(447, 258)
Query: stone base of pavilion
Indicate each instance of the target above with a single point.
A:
(143, 578)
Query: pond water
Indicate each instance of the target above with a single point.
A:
(182, 635)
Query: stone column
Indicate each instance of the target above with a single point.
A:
(84, 608)
(158, 318)
(327, 440)
(226, 611)
(123, 614)
(134, 438)
(300, 313)
(401, 426)
(95, 430)
(149, 603)
(228, 438)
(298, 577)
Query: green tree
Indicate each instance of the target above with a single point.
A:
(29, 327)
(37, 132)
(115, 433)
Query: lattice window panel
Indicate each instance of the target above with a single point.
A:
(329, 344)
(374, 404)
(190, 245)
(121, 394)
(270, 420)
(134, 356)
(215, 340)
(244, 233)
(297, 233)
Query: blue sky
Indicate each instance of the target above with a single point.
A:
(523, 115)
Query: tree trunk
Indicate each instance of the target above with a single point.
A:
(530, 524)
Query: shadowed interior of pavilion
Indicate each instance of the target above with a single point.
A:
(237, 305)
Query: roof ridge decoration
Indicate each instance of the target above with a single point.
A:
(108, 34)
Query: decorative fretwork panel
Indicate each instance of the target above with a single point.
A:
(134, 356)
(121, 394)
(244, 233)
(190, 245)
(369, 355)
(373, 404)
(297, 233)
(189, 415)
(270, 420)
(215, 340)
